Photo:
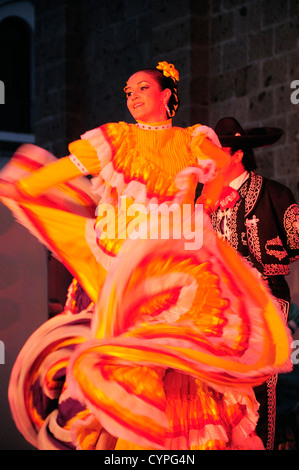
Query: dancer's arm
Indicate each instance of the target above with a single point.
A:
(53, 174)
(40, 180)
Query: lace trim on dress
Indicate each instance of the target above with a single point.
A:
(155, 127)
(78, 164)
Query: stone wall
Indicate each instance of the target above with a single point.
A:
(235, 57)
(253, 61)
(85, 51)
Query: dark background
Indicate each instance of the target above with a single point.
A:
(64, 64)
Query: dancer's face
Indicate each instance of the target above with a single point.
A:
(145, 99)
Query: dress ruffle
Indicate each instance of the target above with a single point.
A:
(176, 343)
(37, 383)
(202, 314)
(71, 206)
(163, 315)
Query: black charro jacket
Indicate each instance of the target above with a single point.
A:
(263, 226)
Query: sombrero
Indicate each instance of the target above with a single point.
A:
(227, 128)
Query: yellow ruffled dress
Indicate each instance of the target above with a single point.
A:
(178, 337)
(139, 163)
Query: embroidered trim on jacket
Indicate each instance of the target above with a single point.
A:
(254, 190)
(253, 238)
(291, 225)
(276, 269)
(280, 254)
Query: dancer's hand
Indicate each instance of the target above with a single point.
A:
(9, 190)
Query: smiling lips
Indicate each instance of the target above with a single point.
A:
(137, 105)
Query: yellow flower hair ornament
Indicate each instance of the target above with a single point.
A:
(169, 70)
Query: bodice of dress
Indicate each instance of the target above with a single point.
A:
(144, 165)
(141, 161)
(131, 164)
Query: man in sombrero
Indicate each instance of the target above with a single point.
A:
(259, 218)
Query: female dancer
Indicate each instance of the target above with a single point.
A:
(180, 332)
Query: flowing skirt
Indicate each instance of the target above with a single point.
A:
(168, 354)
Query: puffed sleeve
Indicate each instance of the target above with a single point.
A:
(211, 158)
(207, 148)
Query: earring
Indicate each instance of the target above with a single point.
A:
(167, 108)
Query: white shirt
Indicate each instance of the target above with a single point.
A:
(235, 184)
